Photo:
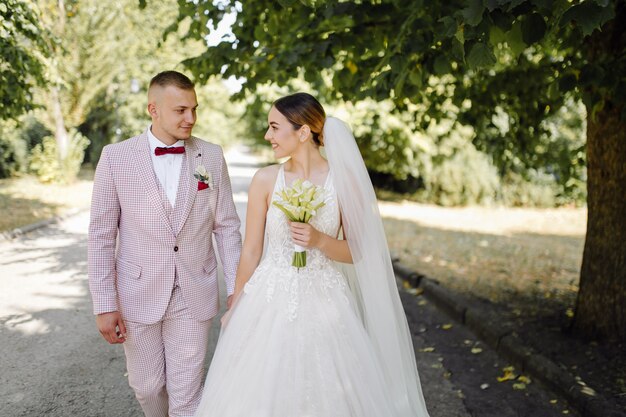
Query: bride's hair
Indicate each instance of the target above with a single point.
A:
(303, 109)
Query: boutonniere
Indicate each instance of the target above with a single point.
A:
(205, 180)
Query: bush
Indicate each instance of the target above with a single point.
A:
(13, 152)
(8, 159)
(32, 131)
(45, 162)
(539, 190)
(468, 177)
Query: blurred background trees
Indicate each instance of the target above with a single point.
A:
(515, 102)
(95, 60)
(488, 82)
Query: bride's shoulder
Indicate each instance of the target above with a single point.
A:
(266, 176)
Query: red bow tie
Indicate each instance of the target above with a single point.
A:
(162, 151)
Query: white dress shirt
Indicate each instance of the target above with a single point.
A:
(166, 167)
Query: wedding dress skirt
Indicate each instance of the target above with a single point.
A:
(294, 344)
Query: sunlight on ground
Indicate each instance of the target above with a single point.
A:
(42, 273)
(498, 220)
(493, 253)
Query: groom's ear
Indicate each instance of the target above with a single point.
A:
(152, 109)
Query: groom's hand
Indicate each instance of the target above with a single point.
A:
(111, 327)
(229, 302)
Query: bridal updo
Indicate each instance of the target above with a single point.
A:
(303, 109)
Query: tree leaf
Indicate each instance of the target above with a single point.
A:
(415, 77)
(514, 39)
(546, 5)
(588, 15)
(496, 35)
(502, 19)
(533, 28)
(514, 3)
(480, 55)
(458, 50)
(473, 13)
(286, 3)
(449, 27)
(460, 35)
(492, 4)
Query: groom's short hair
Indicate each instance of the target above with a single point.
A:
(175, 78)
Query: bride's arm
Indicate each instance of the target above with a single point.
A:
(260, 188)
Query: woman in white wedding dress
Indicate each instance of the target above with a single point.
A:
(329, 339)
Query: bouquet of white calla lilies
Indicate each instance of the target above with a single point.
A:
(300, 203)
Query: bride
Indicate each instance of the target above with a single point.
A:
(329, 339)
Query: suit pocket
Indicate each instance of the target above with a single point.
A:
(210, 268)
(128, 269)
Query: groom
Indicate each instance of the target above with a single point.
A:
(158, 198)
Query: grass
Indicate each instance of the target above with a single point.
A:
(25, 200)
(505, 255)
(525, 262)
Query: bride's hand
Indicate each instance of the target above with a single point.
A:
(305, 235)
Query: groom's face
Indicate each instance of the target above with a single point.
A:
(173, 112)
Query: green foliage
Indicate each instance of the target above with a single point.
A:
(31, 131)
(126, 49)
(99, 58)
(100, 126)
(516, 61)
(539, 191)
(23, 49)
(438, 163)
(219, 117)
(458, 174)
(17, 138)
(100, 49)
(12, 150)
(49, 168)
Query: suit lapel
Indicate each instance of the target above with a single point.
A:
(187, 186)
(142, 161)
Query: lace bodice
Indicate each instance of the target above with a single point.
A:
(280, 245)
(275, 269)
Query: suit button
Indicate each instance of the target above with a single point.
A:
(175, 248)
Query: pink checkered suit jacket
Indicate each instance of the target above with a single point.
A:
(138, 243)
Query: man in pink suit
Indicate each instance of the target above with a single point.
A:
(158, 199)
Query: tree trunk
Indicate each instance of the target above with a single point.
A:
(60, 132)
(601, 304)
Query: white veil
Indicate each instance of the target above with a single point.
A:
(374, 286)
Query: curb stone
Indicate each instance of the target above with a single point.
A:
(507, 343)
(19, 231)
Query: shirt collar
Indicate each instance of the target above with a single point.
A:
(156, 142)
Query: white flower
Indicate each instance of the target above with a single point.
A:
(201, 170)
(204, 176)
(300, 203)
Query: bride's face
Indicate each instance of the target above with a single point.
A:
(281, 134)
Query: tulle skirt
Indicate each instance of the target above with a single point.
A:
(294, 346)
